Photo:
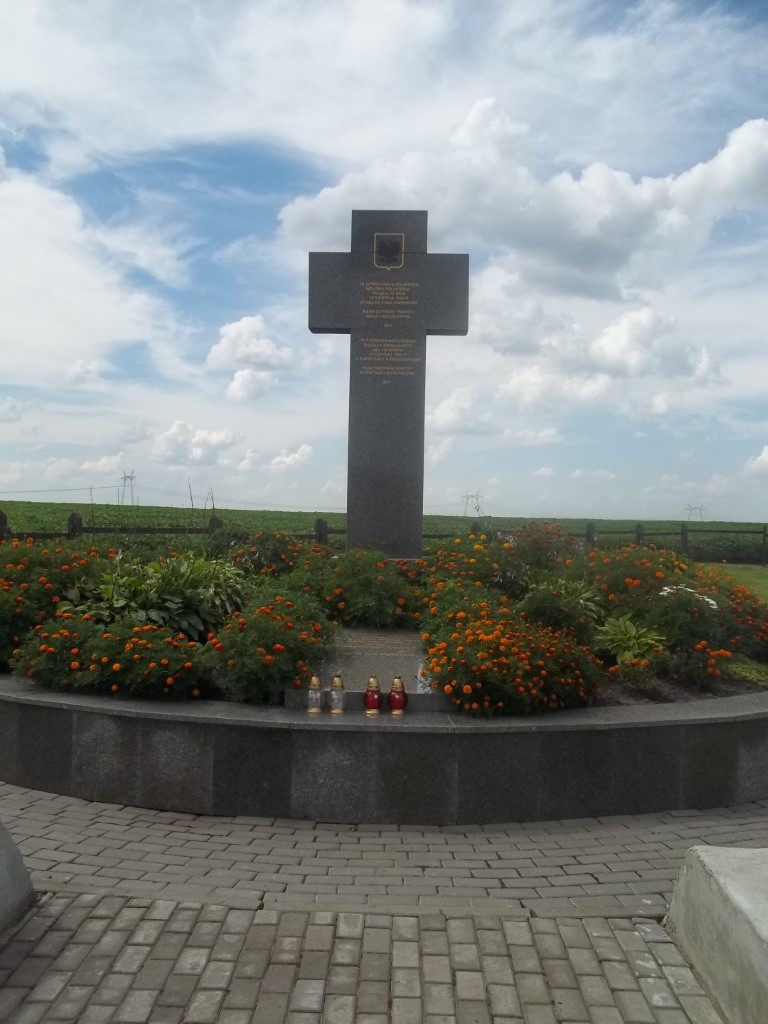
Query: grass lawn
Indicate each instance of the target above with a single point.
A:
(753, 576)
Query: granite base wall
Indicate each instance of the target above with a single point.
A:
(426, 768)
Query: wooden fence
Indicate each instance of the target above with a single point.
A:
(683, 538)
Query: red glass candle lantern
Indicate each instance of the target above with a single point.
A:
(372, 698)
(398, 698)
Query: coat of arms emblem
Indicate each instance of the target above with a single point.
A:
(388, 250)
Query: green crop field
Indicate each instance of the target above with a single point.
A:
(31, 516)
(715, 541)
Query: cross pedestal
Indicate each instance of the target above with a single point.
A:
(388, 294)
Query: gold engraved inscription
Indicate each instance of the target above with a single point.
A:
(387, 358)
(388, 299)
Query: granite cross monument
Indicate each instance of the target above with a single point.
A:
(388, 293)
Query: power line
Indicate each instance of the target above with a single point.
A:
(57, 490)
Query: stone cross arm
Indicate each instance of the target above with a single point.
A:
(429, 292)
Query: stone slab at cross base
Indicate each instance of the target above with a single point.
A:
(16, 891)
(719, 918)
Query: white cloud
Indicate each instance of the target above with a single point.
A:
(249, 384)
(439, 451)
(759, 464)
(59, 288)
(544, 472)
(547, 435)
(105, 464)
(244, 343)
(290, 460)
(182, 444)
(11, 410)
(459, 412)
(592, 474)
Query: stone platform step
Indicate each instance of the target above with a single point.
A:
(719, 918)
(359, 653)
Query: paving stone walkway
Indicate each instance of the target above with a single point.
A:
(151, 916)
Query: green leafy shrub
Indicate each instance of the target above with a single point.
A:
(628, 578)
(265, 648)
(490, 661)
(129, 659)
(34, 579)
(186, 592)
(627, 641)
(268, 553)
(572, 604)
(361, 587)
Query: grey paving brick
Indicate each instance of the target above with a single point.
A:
(634, 1008)
(472, 1012)
(136, 1007)
(375, 967)
(504, 1001)
(407, 1011)
(178, 989)
(271, 1008)
(683, 981)
(619, 976)
(204, 1007)
(373, 997)
(469, 985)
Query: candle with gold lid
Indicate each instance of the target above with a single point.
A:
(398, 698)
(314, 696)
(337, 697)
(372, 698)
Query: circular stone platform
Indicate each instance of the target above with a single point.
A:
(428, 768)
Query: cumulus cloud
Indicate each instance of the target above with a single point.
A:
(758, 464)
(105, 464)
(249, 383)
(439, 451)
(548, 435)
(592, 474)
(244, 344)
(182, 444)
(459, 412)
(89, 308)
(290, 460)
(544, 472)
(540, 385)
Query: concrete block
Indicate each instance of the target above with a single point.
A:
(719, 918)
(15, 887)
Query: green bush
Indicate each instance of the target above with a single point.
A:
(277, 641)
(129, 659)
(185, 593)
(489, 660)
(361, 587)
(572, 604)
(626, 641)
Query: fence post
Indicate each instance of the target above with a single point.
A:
(640, 534)
(4, 527)
(684, 538)
(74, 525)
(321, 531)
(474, 527)
(214, 523)
(765, 542)
(589, 539)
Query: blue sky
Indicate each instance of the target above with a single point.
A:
(166, 168)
